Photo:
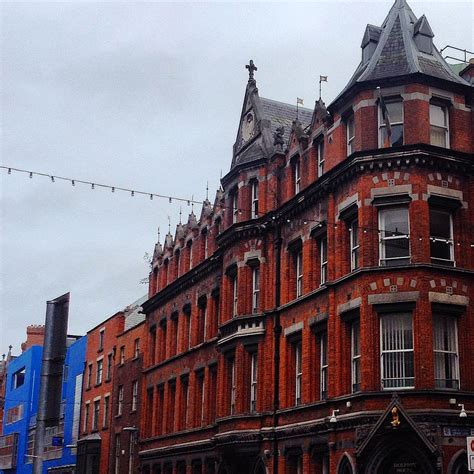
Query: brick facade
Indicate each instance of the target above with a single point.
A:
(328, 328)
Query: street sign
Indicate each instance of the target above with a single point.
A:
(470, 452)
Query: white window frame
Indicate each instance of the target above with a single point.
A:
(120, 400)
(323, 364)
(445, 110)
(110, 363)
(297, 175)
(323, 255)
(298, 371)
(321, 159)
(383, 260)
(442, 354)
(101, 339)
(134, 395)
(233, 388)
(136, 347)
(95, 415)
(87, 408)
(105, 419)
(206, 244)
(235, 206)
(350, 139)
(382, 125)
(100, 371)
(235, 295)
(190, 247)
(355, 356)
(354, 243)
(255, 289)
(253, 381)
(449, 241)
(396, 337)
(122, 355)
(89, 376)
(254, 214)
(299, 273)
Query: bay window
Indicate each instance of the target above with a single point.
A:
(299, 273)
(323, 364)
(350, 134)
(320, 153)
(235, 299)
(296, 175)
(254, 197)
(253, 382)
(232, 385)
(354, 243)
(255, 289)
(439, 125)
(394, 236)
(391, 125)
(355, 356)
(396, 351)
(441, 237)
(445, 346)
(298, 372)
(235, 206)
(323, 255)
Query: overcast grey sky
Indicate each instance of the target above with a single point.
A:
(145, 96)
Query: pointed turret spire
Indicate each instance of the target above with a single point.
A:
(402, 46)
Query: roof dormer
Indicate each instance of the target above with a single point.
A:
(423, 35)
(370, 41)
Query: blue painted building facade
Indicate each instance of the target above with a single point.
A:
(21, 403)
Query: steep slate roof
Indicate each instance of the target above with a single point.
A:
(281, 114)
(397, 53)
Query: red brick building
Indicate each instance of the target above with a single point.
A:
(127, 400)
(93, 446)
(318, 316)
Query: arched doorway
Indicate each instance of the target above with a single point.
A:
(345, 466)
(400, 456)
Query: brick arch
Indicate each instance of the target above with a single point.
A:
(346, 465)
(458, 461)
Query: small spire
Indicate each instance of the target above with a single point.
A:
(180, 214)
(192, 204)
(207, 190)
(159, 235)
(251, 68)
(169, 225)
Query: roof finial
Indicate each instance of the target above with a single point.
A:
(180, 214)
(192, 204)
(158, 234)
(207, 190)
(252, 68)
(169, 225)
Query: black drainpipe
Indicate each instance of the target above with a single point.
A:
(277, 334)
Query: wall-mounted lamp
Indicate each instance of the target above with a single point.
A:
(333, 418)
(462, 413)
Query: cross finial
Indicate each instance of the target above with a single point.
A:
(192, 203)
(252, 68)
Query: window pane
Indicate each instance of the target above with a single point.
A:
(437, 115)
(394, 221)
(438, 136)
(397, 248)
(397, 135)
(350, 127)
(440, 224)
(395, 111)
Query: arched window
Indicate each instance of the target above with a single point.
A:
(345, 466)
